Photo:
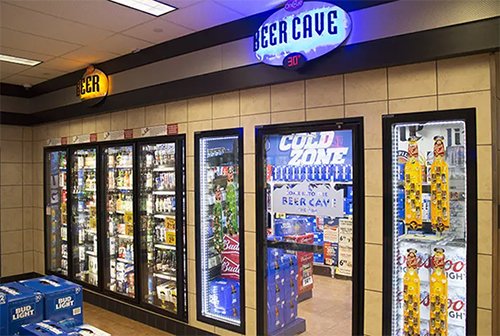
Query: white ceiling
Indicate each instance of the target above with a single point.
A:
(68, 35)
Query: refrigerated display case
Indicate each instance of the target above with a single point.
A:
(118, 195)
(219, 228)
(56, 210)
(84, 231)
(430, 223)
(162, 224)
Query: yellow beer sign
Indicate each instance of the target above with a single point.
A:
(94, 84)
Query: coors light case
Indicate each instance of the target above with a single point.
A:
(219, 228)
(430, 223)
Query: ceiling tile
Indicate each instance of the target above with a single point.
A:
(90, 56)
(64, 65)
(94, 13)
(120, 44)
(21, 80)
(49, 26)
(149, 31)
(202, 15)
(25, 54)
(11, 68)
(22, 41)
(182, 3)
(247, 7)
(41, 72)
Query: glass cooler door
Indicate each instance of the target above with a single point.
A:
(56, 216)
(84, 215)
(119, 256)
(219, 223)
(162, 224)
(430, 227)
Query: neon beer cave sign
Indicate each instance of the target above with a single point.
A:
(299, 32)
(93, 86)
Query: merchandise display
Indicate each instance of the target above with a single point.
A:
(84, 215)
(219, 248)
(57, 211)
(118, 163)
(429, 228)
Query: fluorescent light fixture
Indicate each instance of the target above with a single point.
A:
(18, 60)
(152, 7)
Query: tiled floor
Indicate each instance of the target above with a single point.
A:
(328, 312)
(116, 324)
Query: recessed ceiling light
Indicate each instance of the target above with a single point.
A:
(18, 60)
(152, 7)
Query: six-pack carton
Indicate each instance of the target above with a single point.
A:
(18, 305)
(62, 299)
(46, 328)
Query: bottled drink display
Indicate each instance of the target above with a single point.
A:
(429, 228)
(84, 215)
(219, 227)
(119, 258)
(158, 224)
(56, 211)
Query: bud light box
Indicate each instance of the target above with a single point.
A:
(224, 297)
(18, 305)
(62, 299)
(46, 328)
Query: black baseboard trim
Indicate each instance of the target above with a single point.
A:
(19, 277)
(141, 315)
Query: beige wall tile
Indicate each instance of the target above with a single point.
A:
(75, 127)
(288, 96)
(11, 174)
(176, 112)
(191, 276)
(249, 173)
(225, 332)
(373, 173)
(39, 262)
(192, 315)
(11, 219)
(250, 257)
(484, 281)
(27, 133)
(11, 151)
(27, 152)
(28, 261)
(250, 212)
(27, 218)
(373, 267)
(191, 207)
(27, 173)
(325, 113)
(484, 173)
(226, 105)
(409, 105)
(249, 123)
(12, 264)
(250, 289)
(38, 151)
(373, 220)
(479, 100)
(182, 128)
(200, 108)
(37, 218)
(38, 241)
(470, 73)
(324, 91)
(485, 227)
(11, 197)
(194, 127)
(484, 322)
(12, 241)
(412, 80)
(103, 123)
(89, 125)
(155, 115)
(63, 127)
(38, 173)
(118, 121)
(40, 132)
(365, 86)
(225, 123)
(255, 101)
(372, 121)
(373, 313)
(28, 240)
(288, 116)
(136, 118)
(28, 196)
(190, 173)
(9, 132)
(38, 196)
(251, 321)
(52, 130)
(191, 243)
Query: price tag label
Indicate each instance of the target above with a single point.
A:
(172, 129)
(128, 133)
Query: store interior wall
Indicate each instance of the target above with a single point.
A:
(437, 85)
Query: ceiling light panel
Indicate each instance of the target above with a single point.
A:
(18, 60)
(147, 6)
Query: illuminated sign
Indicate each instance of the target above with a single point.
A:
(94, 84)
(299, 32)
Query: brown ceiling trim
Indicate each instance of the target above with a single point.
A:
(225, 33)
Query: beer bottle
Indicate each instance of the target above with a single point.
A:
(439, 295)
(413, 187)
(440, 201)
(411, 295)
